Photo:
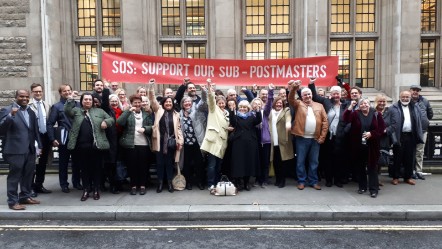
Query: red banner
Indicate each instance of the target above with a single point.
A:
(137, 68)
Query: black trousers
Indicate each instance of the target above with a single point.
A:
(40, 168)
(91, 161)
(363, 171)
(333, 160)
(278, 165)
(193, 164)
(404, 155)
(264, 154)
(137, 162)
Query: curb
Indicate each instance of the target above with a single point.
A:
(226, 212)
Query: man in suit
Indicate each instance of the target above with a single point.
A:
(59, 138)
(41, 109)
(18, 124)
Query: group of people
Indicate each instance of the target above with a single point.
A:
(210, 135)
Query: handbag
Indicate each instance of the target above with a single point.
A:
(225, 188)
(384, 158)
(179, 181)
(171, 143)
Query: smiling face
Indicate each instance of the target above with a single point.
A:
(98, 87)
(22, 98)
(256, 105)
(187, 104)
(37, 93)
(142, 92)
(122, 96)
(354, 94)
(113, 101)
(264, 95)
(231, 105)
(137, 104)
(221, 104)
(191, 90)
(364, 105)
(278, 105)
(306, 96)
(66, 92)
(168, 104)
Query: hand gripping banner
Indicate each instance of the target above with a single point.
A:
(137, 68)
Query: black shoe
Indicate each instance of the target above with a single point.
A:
(170, 187)
(247, 187)
(142, 190)
(78, 187)
(188, 186)
(328, 184)
(420, 176)
(114, 190)
(133, 191)
(361, 191)
(281, 184)
(160, 188)
(42, 190)
(339, 185)
(65, 189)
(414, 176)
(96, 195)
(34, 194)
(200, 186)
(85, 196)
(373, 195)
(103, 187)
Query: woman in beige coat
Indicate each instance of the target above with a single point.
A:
(215, 141)
(281, 139)
(166, 127)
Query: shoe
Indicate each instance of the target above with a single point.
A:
(65, 190)
(29, 201)
(133, 191)
(414, 176)
(42, 190)
(395, 182)
(200, 186)
(300, 186)
(96, 195)
(328, 184)
(188, 186)
(34, 194)
(420, 176)
(373, 195)
(170, 187)
(16, 207)
(277, 183)
(85, 196)
(381, 184)
(339, 185)
(247, 187)
(103, 187)
(410, 181)
(114, 190)
(142, 190)
(160, 187)
(281, 185)
(316, 186)
(78, 187)
(361, 191)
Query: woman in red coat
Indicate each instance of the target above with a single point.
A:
(367, 126)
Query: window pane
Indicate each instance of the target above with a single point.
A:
(86, 17)
(255, 11)
(279, 16)
(279, 50)
(427, 62)
(111, 48)
(340, 16)
(111, 18)
(429, 15)
(88, 66)
(342, 49)
(365, 60)
(196, 51)
(255, 51)
(170, 17)
(365, 15)
(195, 17)
(171, 50)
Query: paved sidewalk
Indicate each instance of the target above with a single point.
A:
(402, 202)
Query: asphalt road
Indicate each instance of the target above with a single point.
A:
(259, 234)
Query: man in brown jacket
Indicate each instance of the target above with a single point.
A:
(310, 129)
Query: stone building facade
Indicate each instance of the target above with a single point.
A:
(41, 40)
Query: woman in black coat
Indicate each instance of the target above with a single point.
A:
(245, 155)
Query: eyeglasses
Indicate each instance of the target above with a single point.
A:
(121, 94)
(37, 91)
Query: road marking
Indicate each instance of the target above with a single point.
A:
(222, 227)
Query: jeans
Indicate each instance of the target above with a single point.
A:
(213, 169)
(307, 148)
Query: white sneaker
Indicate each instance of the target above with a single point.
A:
(211, 187)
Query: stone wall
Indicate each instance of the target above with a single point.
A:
(14, 55)
(6, 97)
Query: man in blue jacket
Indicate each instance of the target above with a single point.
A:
(18, 124)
